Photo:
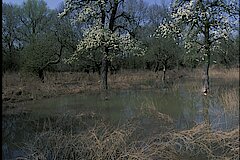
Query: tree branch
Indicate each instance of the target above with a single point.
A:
(54, 61)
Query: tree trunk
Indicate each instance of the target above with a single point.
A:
(207, 58)
(205, 79)
(41, 75)
(206, 115)
(104, 72)
(164, 74)
(99, 70)
(206, 76)
(98, 67)
(156, 67)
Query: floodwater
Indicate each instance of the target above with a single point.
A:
(187, 108)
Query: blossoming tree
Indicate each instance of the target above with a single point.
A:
(104, 31)
(201, 24)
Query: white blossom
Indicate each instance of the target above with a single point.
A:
(97, 36)
(189, 20)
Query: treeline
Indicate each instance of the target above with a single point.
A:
(36, 39)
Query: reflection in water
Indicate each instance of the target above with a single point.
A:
(206, 106)
(186, 108)
(15, 131)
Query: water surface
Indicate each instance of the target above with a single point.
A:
(185, 106)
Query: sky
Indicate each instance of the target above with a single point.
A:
(54, 3)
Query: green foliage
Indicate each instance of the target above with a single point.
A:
(228, 53)
(37, 54)
(33, 35)
(35, 19)
(45, 36)
(164, 52)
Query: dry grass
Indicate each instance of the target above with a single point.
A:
(230, 100)
(103, 141)
(99, 143)
(202, 143)
(149, 109)
(131, 79)
(215, 73)
(227, 74)
(87, 137)
(17, 88)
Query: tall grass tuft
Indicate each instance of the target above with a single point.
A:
(230, 99)
(103, 141)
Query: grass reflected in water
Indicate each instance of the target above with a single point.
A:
(168, 123)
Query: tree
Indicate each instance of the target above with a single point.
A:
(228, 53)
(35, 20)
(202, 23)
(10, 38)
(137, 10)
(45, 37)
(164, 53)
(103, 31)
(41, 53)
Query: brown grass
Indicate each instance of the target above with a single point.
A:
(103, 141)
(61, 139)
(127, 80)
(230, 100)
(17, 87)
(215, 73)
(227, 74)
(202, 143)
(149, 109)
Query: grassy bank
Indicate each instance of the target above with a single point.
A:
(20, 88)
